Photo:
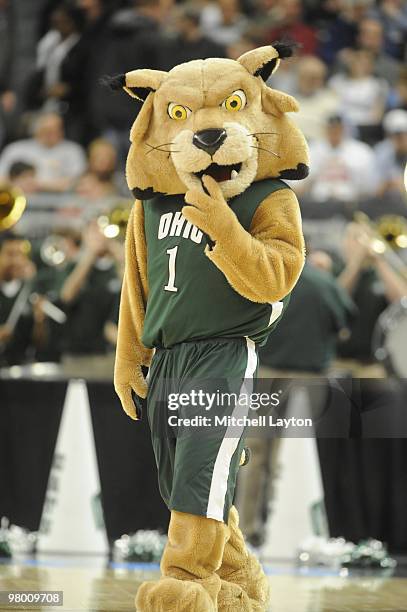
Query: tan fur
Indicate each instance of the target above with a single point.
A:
(256, 58)
(264, 264)
(130, 353)
(202, 86)
(189, 564)
(244, 584)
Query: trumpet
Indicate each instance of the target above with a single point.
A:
(12, 206)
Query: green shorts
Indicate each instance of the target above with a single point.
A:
(197, 394)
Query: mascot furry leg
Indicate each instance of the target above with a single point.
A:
(206, 567)
(244, 584)
(191, 558)
(214, 247)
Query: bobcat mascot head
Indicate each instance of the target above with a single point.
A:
(216, 117)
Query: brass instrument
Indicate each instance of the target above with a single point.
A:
(387, 235)
(113, 224)
(12, 206)
(52, 251)
(393, 228)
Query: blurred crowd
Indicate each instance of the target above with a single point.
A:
(63, 134)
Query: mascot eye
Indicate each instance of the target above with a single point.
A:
(235, 102)
(178, 112)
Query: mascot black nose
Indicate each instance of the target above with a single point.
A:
(209, 140)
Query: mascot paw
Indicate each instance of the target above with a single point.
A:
(173, 595)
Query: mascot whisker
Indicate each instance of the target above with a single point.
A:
(195, 310)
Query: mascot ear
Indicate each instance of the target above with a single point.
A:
(264, 61)
(277, 103)
(137, 83)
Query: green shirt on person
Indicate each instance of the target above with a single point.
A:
(306, 338)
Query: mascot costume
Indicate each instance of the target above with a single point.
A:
(214, 247)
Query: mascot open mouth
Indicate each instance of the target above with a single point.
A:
(220, 173)
(232, 178)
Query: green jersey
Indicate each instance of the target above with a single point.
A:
(189, 297)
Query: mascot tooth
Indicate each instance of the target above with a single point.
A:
(214, 247)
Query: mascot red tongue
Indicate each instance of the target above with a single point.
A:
(209, 151)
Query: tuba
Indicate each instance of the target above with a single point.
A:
(12, 206)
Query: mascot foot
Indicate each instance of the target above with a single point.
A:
(173, 595)
(242, 569)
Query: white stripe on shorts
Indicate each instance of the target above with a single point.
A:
(276, 310)
(220, 475)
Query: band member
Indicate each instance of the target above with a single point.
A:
(21, 326)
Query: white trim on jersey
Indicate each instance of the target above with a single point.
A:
(220, 475)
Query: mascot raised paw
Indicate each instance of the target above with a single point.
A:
(214, 247)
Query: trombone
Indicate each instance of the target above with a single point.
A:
(113, 223)
(12, 206)
(386, 235)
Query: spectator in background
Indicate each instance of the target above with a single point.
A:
(22, 176)
(289, 23)
(16, 273)
(372, 284)
(57, 257)
(362, 95)
(51, 87)
(91, 187)
(57, 162)
(317, 102)
(342, 169)
(336, 24)
(319, 310)
(398, 95)
(370, 38)
(393, 17)
(112, 42)
(89, 295)
(8, 98)
(101, 178)
(223, 22)
(391, 155)
(246, 43)
(102, 159)
(303, 347)
(190, 43)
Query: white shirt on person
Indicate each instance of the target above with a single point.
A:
(360, 99)
(314, 112)
(345, 173)
(389, 166)
(64, 160)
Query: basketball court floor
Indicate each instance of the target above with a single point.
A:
(95, 585)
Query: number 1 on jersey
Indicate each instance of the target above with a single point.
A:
(171, 269)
